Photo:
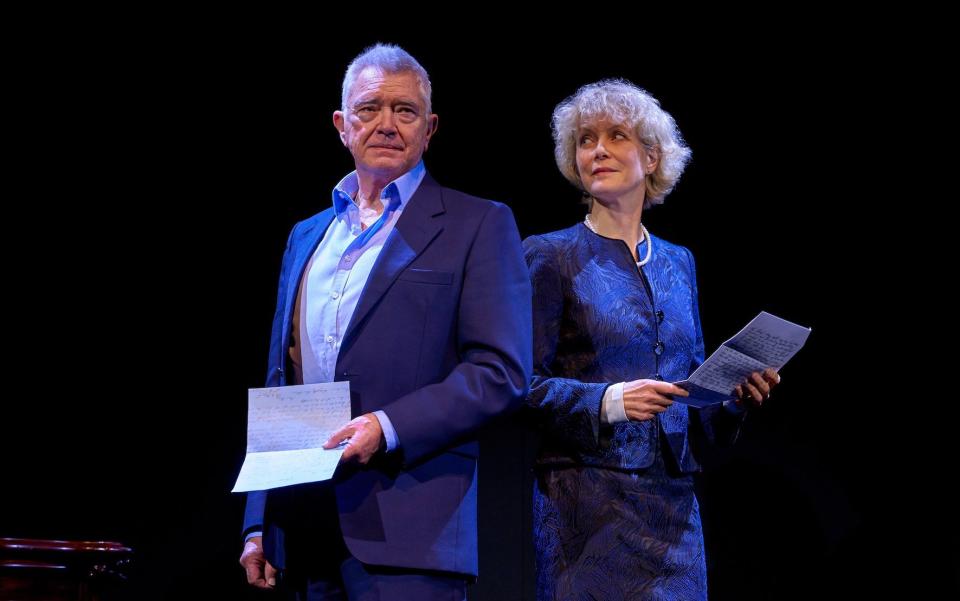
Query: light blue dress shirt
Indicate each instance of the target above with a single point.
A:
(337, 272)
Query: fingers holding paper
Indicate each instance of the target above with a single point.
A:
(360, 438)
(643, 399)
(757, 388)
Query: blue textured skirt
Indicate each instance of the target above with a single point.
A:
(608, 535)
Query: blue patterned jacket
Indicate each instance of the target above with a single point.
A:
(598, 320)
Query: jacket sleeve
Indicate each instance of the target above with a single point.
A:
(256, 500)
(493, 337)
(567, 409)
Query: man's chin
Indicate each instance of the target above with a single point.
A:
(387, 165)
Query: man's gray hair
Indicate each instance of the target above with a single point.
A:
(388, 58)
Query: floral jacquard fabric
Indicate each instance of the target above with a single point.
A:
(615, 512)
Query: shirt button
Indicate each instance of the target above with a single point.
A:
(334, 294)
(658, 349)
(347, 259)
(659, 377)
(330, 339)
(659, 316)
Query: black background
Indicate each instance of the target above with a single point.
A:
(155, 174)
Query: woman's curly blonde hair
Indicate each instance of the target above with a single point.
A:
(620, 101)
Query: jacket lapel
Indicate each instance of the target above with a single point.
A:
(305, 244)
(415, 229)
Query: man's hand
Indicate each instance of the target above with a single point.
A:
(259, 571)
(364, 438)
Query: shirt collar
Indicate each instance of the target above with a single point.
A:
(396, 193)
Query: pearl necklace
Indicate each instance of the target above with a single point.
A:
(643, 230)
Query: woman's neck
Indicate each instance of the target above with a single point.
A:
(619, 220)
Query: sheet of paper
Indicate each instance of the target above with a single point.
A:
(286, 429)
(767, 341)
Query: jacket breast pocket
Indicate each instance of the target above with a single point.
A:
(427, 276)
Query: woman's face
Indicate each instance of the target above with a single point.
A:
(611, 160)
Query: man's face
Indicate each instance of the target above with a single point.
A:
(386, 127)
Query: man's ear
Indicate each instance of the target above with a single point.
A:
(432, 123)
(340, 123)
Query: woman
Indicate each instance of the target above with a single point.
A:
(616, 320)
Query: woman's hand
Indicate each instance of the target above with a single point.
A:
(642, 399)
(756, 390)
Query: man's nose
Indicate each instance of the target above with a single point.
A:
(387, 124)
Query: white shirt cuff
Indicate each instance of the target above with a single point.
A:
(611, 407)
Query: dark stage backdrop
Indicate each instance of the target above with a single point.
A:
(155, 182)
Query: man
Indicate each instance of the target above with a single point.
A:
(418, 295)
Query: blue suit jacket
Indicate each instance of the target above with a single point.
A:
(441, 341)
